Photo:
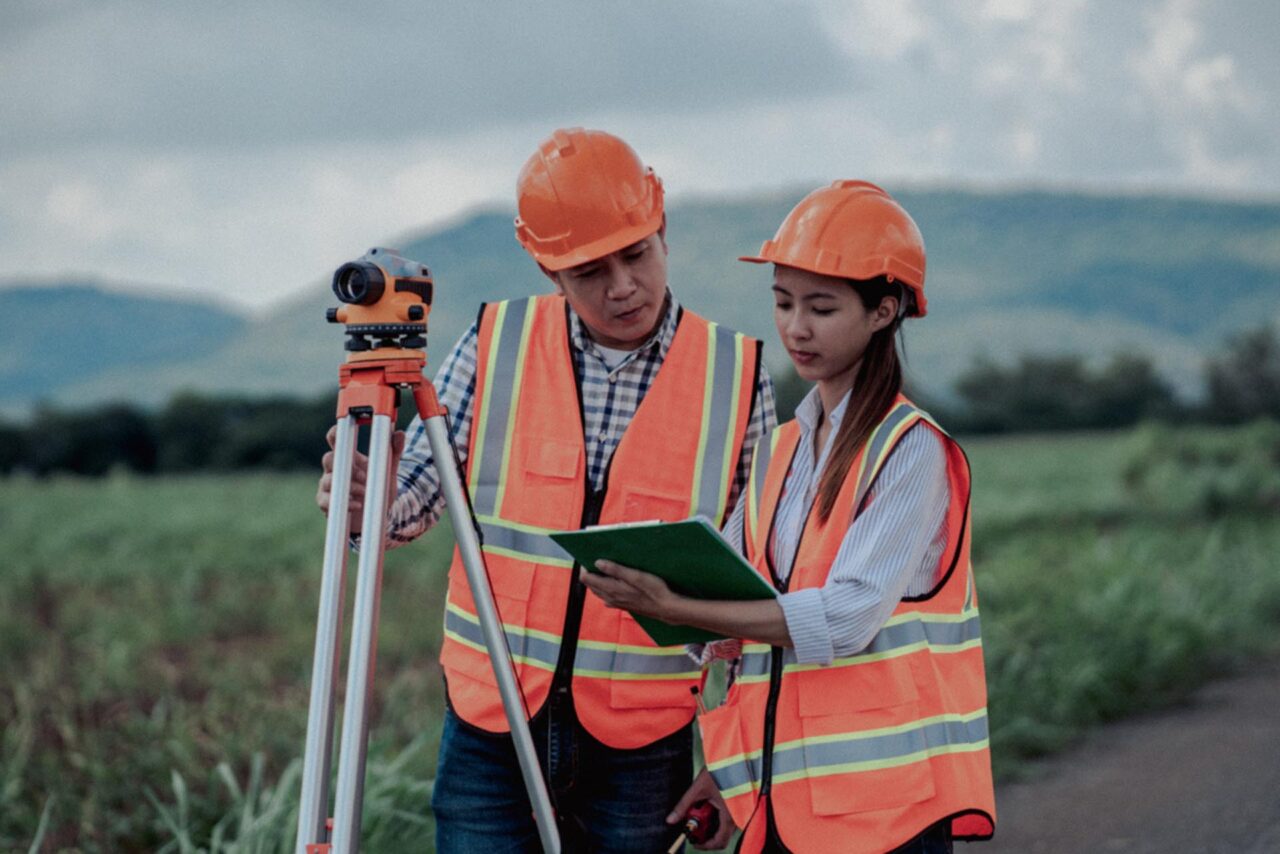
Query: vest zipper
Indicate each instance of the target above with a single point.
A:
(770, 709)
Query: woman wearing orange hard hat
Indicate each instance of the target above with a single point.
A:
(856, 719)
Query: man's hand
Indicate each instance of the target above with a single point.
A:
(359, 474)
(630, 589)
(704, 789)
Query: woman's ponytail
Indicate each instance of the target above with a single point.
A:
(875, 388)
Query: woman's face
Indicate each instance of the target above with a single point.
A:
(823, 324)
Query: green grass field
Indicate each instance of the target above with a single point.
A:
(156, 641)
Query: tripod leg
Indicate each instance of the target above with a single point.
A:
(313, 807)
(464, 529)
(364, 644)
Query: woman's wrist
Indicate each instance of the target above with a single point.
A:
(675, 609)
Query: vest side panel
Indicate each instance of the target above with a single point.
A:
(529, 439)
(883, 744)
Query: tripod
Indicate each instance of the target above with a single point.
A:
(370, 383)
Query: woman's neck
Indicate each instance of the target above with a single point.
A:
(832, 391)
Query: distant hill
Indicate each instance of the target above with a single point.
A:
(1009, 273)
(55, 337)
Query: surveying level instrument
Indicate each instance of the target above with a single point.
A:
(386, 299)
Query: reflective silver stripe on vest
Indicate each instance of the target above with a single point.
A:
(533, 648)
(609, 661)
(720, 419)
(903, 634)
(522, 542)
(542, 650)
(494, 405)
(865, 751)
(740, 776)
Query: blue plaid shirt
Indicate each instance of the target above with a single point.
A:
(610, 397)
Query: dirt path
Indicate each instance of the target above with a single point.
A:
(1201, 778)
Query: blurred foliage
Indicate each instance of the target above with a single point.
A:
(1060, 393)
(192, 433)
(1244, 382)
(1210, 471)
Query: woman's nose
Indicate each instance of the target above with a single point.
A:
(797, 326)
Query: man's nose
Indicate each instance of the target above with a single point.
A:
(619, 283)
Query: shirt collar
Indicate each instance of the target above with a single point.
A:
(810, 410)
(660, 340)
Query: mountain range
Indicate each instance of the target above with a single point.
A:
(1010, 273)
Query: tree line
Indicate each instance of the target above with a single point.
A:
(202, 433)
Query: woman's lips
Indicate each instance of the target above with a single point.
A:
(631, 314)
(803, 357)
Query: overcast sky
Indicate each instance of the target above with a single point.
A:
(244, 149)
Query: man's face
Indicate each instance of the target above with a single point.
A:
(620, 296)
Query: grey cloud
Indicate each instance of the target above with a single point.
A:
(241, 75)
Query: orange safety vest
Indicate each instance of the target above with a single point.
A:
(862, 754)
(527, 476)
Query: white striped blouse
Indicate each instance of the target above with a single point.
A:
(890, 551)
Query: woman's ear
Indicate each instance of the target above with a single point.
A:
(885, 313)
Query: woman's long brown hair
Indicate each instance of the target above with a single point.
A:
(875, 387)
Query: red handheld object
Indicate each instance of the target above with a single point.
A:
(701, 822)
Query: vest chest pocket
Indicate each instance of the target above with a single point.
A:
(646, 504)
(863, 748)
(554, 458)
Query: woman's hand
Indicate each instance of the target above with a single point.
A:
(704, 789)
(630, 589)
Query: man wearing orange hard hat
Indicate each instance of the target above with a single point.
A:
(602, 402)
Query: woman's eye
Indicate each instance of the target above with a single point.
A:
(634, 256)
(782, 305)
(823, 312)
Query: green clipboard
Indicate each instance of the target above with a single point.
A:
(689, 555)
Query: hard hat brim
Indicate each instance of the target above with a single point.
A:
(597, 249)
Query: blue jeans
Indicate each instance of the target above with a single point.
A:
(606, 799)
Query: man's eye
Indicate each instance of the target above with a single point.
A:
(588, 274)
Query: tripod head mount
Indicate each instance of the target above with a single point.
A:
(386, 297)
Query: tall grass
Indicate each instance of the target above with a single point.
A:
(156, 640)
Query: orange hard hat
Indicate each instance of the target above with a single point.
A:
(582, 195)
(853, 230)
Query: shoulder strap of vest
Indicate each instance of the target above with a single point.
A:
(768, 473)
(503, 339)
(900, 418)
(727, 381)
